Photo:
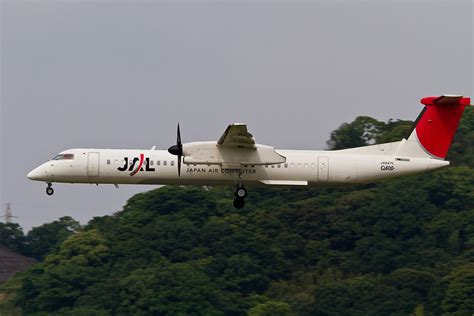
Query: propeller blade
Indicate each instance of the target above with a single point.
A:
(177, 149)
(180, 145)
(178, 138)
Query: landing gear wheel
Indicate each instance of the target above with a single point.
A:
(239, 203)
(241, 192)
(49, 191)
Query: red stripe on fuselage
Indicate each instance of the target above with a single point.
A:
(140, 164)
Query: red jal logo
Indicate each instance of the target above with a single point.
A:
(134, 167)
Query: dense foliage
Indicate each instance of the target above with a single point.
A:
(40, 240)
(399, 247)
(11, 235)
(366, 130)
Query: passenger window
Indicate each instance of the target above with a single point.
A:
(164, 162)
(286, 165)
(306, 165)
(273, 166)
(158, 162)
(172, 162)
(108, 161)
(151, 162)
(299, 165)
(292, 165)
(279, 166)
(313, 165)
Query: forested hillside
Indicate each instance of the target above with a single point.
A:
(401, 247)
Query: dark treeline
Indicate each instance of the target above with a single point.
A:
(39, 241)
(400, 247)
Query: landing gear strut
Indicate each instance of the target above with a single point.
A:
(49, 189)
(240, 195)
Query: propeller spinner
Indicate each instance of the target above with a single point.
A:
(177, 149)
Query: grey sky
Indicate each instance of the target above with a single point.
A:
(121, 74)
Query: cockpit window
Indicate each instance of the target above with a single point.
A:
(64, 157)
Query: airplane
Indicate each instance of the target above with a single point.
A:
(236, 159)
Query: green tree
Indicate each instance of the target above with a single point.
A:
(11, 236)
(59, 281)
(419, 311)
(271, 308)
(45, 238)
(171, 289)
(417, 282)
(360, 296)
(361, 132)
(394, 131)
(462, 151)
(459, 295)
(366, 130)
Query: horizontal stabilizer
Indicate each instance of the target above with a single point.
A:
(447, 99)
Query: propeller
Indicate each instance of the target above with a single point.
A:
(177, 150)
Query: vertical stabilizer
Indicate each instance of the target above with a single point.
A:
(434, 129)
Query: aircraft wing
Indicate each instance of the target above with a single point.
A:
(235, 147)
(237, 136)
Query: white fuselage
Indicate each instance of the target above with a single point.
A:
(302, 167)
(236, 159)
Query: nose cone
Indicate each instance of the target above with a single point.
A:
(36, 174)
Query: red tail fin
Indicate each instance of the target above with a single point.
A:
(437, 124)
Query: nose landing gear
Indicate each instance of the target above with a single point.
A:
(240, 195)
(49, 189)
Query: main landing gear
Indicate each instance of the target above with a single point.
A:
(240, 195)
(49, 189)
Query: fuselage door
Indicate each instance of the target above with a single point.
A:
(93, 165)
(323, 169)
